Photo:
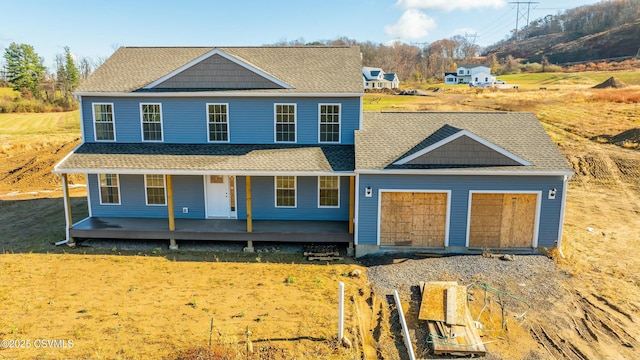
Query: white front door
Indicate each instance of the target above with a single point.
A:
(219, 203)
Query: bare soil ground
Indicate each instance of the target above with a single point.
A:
(130, 305)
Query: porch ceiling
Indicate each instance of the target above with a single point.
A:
(208, 158)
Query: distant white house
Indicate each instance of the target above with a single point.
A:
(376, 78)
(466, 74)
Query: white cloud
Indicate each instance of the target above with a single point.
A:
(449, 5)
(413, 24)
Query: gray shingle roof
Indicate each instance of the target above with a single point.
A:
(387, 136)
(309, 69)
(278, 158)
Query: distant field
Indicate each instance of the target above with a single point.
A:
(589, 78)
(40, 123)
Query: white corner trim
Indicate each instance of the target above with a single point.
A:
(457, 135)
(226, 56)
(431, 191)
(565, 184)
(536, 223)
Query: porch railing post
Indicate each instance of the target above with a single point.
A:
(249, 247)
(67, 210)
(172, 222)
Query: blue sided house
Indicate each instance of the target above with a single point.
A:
(272, 144)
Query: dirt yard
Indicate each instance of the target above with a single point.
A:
(160, 304)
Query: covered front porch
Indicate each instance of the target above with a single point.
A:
(212, 230)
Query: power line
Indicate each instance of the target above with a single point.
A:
(518, 5)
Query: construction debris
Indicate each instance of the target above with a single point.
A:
(322, 252)
(451, 328)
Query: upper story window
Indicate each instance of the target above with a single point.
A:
(218, 115)
(103, 122)
(328, 191)
(151, 115)
(109, 189)
(155, 191)
(285, 191)
(329, 123)
(285, 115)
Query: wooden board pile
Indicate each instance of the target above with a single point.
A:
(451, 328)
(322, 252)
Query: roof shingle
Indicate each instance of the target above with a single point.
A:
(309, 69)
(172, 158)
(386, 136)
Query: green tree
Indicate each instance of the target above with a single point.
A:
(25, 69)
(67, 74)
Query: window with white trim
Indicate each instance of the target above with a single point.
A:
(328, 191)
(151, 115)
(103, 122)
(109, 189)
(285, 191)
(155, 190)
(218, 117)
(285, 115)
(329, 122)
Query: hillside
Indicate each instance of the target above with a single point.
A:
(567, 47)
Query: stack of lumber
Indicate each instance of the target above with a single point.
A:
(451, 328)
(322, 252)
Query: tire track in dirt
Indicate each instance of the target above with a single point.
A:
(599, 330)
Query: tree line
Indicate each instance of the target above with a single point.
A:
(24, 71)
(584, 20)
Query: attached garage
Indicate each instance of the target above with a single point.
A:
(416, 218)
(503, 220)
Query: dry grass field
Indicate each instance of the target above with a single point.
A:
(159, 304)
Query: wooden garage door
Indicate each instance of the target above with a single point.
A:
(413, 218)
(502, 220)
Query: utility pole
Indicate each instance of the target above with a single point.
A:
(471, 36)
(522, 16)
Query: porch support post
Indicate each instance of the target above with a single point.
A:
(352, 196)
(67, 211)
(172, 222)
(249, 247)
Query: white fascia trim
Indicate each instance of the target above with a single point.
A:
(536, 222)
(459, 134)
(464, 172)
(447, 216)
(226, 56)
(80, 108)
(209, 94)
(55, 168)
(199, 172)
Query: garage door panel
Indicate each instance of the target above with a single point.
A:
(502, 220)
(486, 220)
(413, 218)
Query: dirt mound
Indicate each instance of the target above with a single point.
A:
(30, 169)
(631, 135)
(611, 82)
(629, 139)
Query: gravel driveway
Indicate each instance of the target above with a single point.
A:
(534, 278)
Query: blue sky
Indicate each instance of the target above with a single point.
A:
(95, 28)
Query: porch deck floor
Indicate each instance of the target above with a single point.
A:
(212, 229)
